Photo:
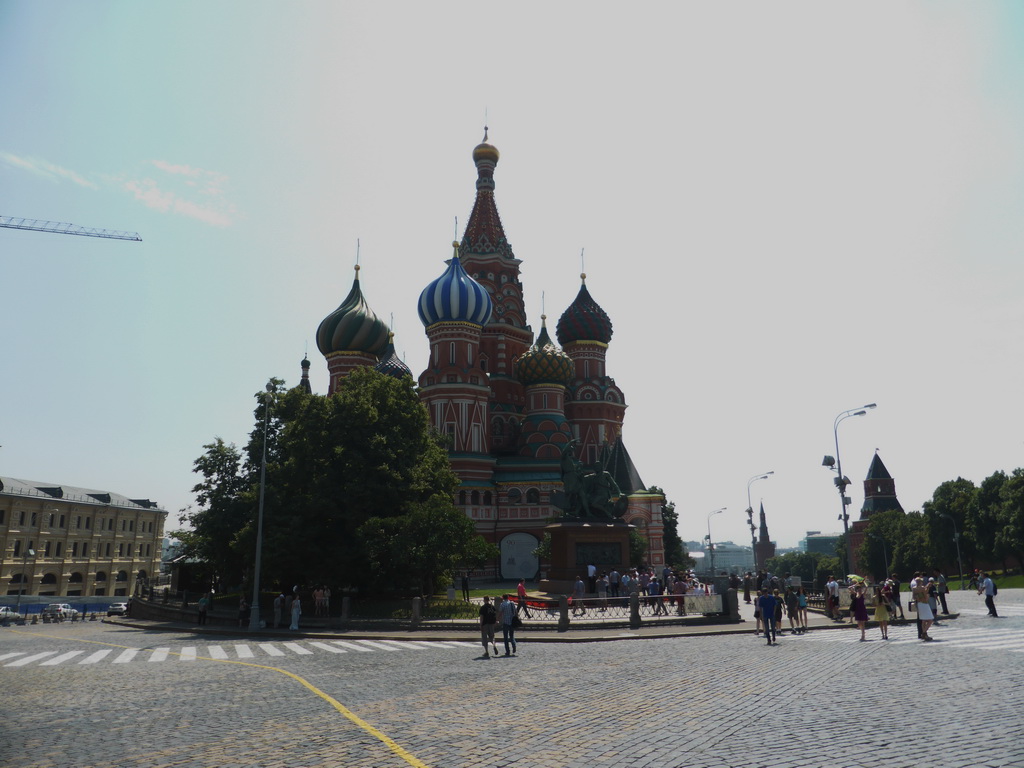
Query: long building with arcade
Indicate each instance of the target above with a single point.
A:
(509, 401)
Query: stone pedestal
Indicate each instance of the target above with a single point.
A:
(577, 544)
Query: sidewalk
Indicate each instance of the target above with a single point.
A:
(579, 632)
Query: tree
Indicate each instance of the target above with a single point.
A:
(637, 548)
(1009, 538)
(416, 551)
(333, 463)
(802, 564)
(952, 508)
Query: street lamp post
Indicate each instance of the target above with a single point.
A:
(254, 616)
(841, 480)
(711, 546)
(29, 552)
(956, 538)
(750, 514)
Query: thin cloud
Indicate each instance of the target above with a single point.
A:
(176, 192)
(46, 169)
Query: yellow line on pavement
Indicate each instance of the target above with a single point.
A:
(347, 713)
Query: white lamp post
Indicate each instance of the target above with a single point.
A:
(750, 514)
(711, 547)
(842, 481)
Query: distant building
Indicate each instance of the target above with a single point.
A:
(75, 542)
(733, 558)
(820, 543)
(879, 496)
(765, 548)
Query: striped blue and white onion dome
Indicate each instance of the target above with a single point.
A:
(454, 297)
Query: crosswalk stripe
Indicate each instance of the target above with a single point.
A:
(461, 644)
(331, 648)
(243, 651)
(188, 653)
(61, 659)
(403, 645)
(30, 659)
(216, 652)
(93, 658)
(376, 644)
(296, 648)
(352, 646)
(270, 650)
(11, 655)
(159, 654)
(125, 656)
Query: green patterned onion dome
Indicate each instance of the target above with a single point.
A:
(544, 363)
(584, 320)
(352, 327)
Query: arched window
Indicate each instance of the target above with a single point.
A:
(462, 498)
(17, 578)
(487, 498)
(514, 496)
(49, 578)
(533, 496)
(101, 575)
(476, 497)
(143, 576)
(122, 576)
(76, 577)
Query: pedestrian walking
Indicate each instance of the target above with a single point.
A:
(488, 620)
(766, 603)
(296, 612)
(507, 613)
(278, 610)
(243, 612)
(894, 586)
(801, 598)
(988, 588)
(832, 590)
(613, 582)
(521, 593)
(882, 612)
(748, 582)
(942, 588)
(602, 591)
(579, 589)
(859, 610)
(919, 589)
(203, 606)
(793, 610)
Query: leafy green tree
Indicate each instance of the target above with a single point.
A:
(1009, 537)
(637, 548)
(333, 463)
(952, 508)
(984, 522)
(417, 551)
(802, 564)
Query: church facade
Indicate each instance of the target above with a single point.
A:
(509, 402)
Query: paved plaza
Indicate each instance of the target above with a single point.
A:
(96, 694)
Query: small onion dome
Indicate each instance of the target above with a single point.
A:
(390, 363)
(485, 151)
(544, 363)
(352, 327)
(584, 320)
(454, 297)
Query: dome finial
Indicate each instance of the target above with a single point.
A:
(455, 247)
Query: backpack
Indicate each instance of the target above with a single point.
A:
(995, 589)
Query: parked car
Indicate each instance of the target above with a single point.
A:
(9, 614)
(60, 611)
(117, 609)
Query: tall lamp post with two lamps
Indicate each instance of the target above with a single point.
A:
(956, 538)
(254, 616)
(750, 515)
(841, 480)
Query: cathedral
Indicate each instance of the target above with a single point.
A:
(510, 403)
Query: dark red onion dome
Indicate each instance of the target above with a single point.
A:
(543, 363)
(352, 327)
(390, 363)
(584, 320)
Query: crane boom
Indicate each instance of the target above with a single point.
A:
(66, 229)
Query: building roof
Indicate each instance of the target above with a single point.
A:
(584, 319)
(12, 486)
(353, 326)
(877, 470)
(622, 468)
(484, 233)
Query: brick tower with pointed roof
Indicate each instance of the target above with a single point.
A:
(879, 496)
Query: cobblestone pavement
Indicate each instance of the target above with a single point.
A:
(821, 700)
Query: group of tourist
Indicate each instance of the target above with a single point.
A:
(769, 607)
(504, 612)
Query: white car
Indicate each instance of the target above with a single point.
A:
(60, 611)
(117, 609)
(9, 614)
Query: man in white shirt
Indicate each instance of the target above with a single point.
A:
(986, 587)
(832, 589)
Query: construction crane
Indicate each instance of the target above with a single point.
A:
(66, 229)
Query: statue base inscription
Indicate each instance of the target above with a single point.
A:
(576, 544)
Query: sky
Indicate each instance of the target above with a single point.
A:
(788, 210)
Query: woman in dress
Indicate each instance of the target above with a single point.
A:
(881, 613)
(858, 610)
(296, 612)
